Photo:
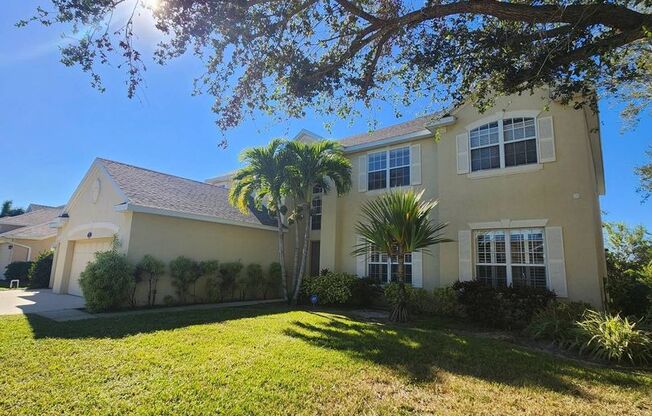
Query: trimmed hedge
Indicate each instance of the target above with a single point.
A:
(107, 281)
(39, 272)
(18, 270)
(505, 307)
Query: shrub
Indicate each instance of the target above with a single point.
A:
(210, 269)
(506, 307)
(556, 321)
(419, 301)
(253, 280)
(445, 302)
(331, 289)
(365, 292)
(273, 280)
(18, 270)
(610, 337)
(107, 281)
(228, 275)
(40, 270)
(169, 300)
(185, 273)
(150, 269)
(629, 293)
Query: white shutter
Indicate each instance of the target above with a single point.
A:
(362, 173)
(360, 261)
(417, 269)
(415, 164)
(546, 140)
(462, 153)
(556, 264)
(465, 255)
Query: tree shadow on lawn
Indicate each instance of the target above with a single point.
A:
(128, 325)
(419, 353)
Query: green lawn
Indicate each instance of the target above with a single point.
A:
(272, 361)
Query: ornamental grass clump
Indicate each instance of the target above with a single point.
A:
(613, 338)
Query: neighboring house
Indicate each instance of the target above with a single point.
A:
(518, 185)
(24, 236)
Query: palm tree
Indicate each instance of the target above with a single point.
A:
(264, 180)
(321, 164)
(397, 224)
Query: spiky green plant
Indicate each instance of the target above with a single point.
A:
(613, 338)
(396, 224)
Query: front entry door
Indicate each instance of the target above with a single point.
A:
(314, 258)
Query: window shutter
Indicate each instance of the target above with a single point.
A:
(361, 262)
(362, 174)
(556, 264)
(465, 254)
(415, 164)
(462, 153)
(417, 269)
(546, 140)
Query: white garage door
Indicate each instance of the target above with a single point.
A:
(84, 253)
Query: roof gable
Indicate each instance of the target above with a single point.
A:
(156, 190)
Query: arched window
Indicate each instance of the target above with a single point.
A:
(503, 143)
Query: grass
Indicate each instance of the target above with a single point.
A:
(271, 361)
(4, 285)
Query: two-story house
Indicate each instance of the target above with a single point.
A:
(518, 185)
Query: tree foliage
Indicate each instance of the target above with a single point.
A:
(629, 269)
(280, 57)
(9, 211)
(644, 172)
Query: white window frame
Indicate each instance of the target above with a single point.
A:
(316, 197)
(499, 118)
(507, 232)
(387, 168)
(384, 259)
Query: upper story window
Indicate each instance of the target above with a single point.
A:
(503, 143)
(510, 257)
(395, 173)
(315, 212)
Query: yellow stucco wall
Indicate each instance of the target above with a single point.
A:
(564, 192)
(36, 246)
(167, 238)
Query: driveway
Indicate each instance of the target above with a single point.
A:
(15, 302)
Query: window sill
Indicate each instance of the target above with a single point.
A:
(505, 171)
(387, 190)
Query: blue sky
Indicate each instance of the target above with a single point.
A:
(53, 124)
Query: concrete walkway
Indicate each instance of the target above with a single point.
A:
(16, 302)
(76, 315)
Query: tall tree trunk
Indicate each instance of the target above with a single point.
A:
(295, 264)
(400, 313)
(154, 292)
(281, 251)
(304, 254)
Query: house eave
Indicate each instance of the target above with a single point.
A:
(127, 207)
(417, 135)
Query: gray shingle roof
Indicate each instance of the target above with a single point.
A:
(147, 188)
(395, 130)
(39, 216)
(34, 232)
